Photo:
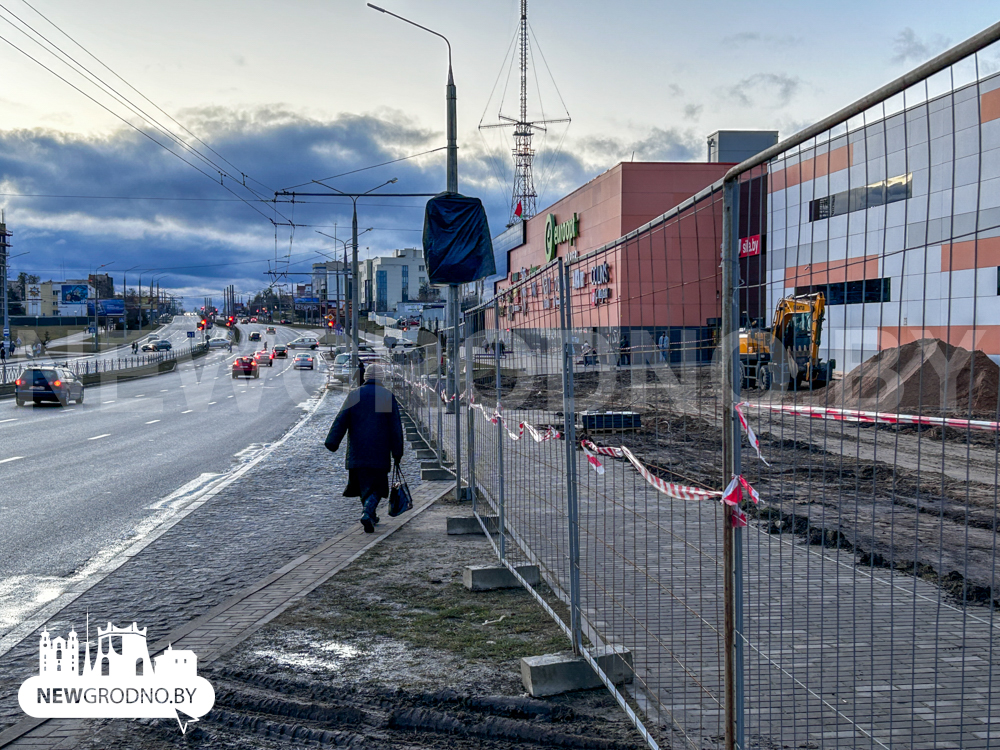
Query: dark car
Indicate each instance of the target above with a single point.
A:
(39, 384)
(264, 357)
(280, 350)
(246, 366)
(157, 346)
(255, 335)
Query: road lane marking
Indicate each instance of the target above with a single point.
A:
(109, 402)
(153, 421)
(188, 411)
(12, 458)
(228, 396)
(98, 437)
(212, 403)
(141, 395)
(8, 420)
(164, 390)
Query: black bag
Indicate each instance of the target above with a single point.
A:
(400, 499)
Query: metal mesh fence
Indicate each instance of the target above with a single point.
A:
(835, 383)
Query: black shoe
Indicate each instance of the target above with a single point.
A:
(375, 519)
(367, 523)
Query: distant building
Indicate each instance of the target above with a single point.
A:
(331, 284)
(388, 280)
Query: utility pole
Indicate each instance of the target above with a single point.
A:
(4, 258)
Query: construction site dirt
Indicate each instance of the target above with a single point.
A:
(918, 499)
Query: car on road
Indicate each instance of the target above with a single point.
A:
(37, 384)
(157, 346)
(219, 343)
(264, 357)
(341, 369)
(244, 321)
(280, 350)
(253, 320)
(271, 331)
(304, 342)
(303, 362)
(152, 337)
(285, 322)
(255, 335)
(245, 366)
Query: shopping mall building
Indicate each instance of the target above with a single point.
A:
(895, 218)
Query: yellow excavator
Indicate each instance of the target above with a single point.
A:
(787, 353)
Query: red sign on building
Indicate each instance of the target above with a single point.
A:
(749, 246)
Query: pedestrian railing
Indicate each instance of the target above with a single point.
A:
(97, 366)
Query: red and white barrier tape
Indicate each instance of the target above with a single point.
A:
(873, 417)
(732, 495)
(540, 436)
(751, 436)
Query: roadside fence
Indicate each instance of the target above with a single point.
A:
(837, 585)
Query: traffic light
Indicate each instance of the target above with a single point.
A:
(329, 324)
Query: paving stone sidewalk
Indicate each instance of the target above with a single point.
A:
(239, 617)
(282, 511)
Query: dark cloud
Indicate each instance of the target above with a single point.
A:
(765, 88)
(158, 212)
(911, 48)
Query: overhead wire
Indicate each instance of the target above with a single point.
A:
(154, 104)
(363, 169)
(95, 80)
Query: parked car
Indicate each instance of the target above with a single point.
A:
(157, 346)
(264, 357)
(280, 350)
(302, 362)
(39, 384)
(255, 335)
(271, 331)
(304, 342)
(245, 366)
(219, 343)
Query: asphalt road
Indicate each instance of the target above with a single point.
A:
(79, 484)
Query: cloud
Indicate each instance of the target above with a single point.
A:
(747, 38)
(910, 48)
(765, 88)
(693, 111)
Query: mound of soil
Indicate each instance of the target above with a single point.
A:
(928, 375)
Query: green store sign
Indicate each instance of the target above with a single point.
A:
(556, 234)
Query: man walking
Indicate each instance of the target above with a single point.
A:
(370, 419)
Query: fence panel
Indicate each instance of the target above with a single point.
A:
(871, 561)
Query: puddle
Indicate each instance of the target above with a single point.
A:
(315, 657)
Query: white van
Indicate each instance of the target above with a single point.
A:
(304, 342)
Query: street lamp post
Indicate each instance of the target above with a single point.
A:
(451, 98)
(354, 261)
(343, 269)
(125, 302)
(97, 303)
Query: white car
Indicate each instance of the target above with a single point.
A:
(341, 370)
(153, 337)
(304, 342)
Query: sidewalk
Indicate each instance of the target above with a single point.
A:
(230, 623)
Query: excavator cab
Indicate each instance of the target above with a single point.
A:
(788, 352)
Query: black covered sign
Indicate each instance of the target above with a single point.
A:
(457, 244)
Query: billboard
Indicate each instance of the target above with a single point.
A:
(73, 294)
(114, 307)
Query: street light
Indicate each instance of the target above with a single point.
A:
(97, 302)
(125, 301)
(452, 187)
(344, 243)
(354, 261)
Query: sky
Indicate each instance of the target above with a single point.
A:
(276, 95)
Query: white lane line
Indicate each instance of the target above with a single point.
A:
(164, 390)
(212, 403)
(109, 402)
(153, 421)
(14, 419)
(141, 395)
(228, 396)
(98, 437)
(12, 458)
(188, 411)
